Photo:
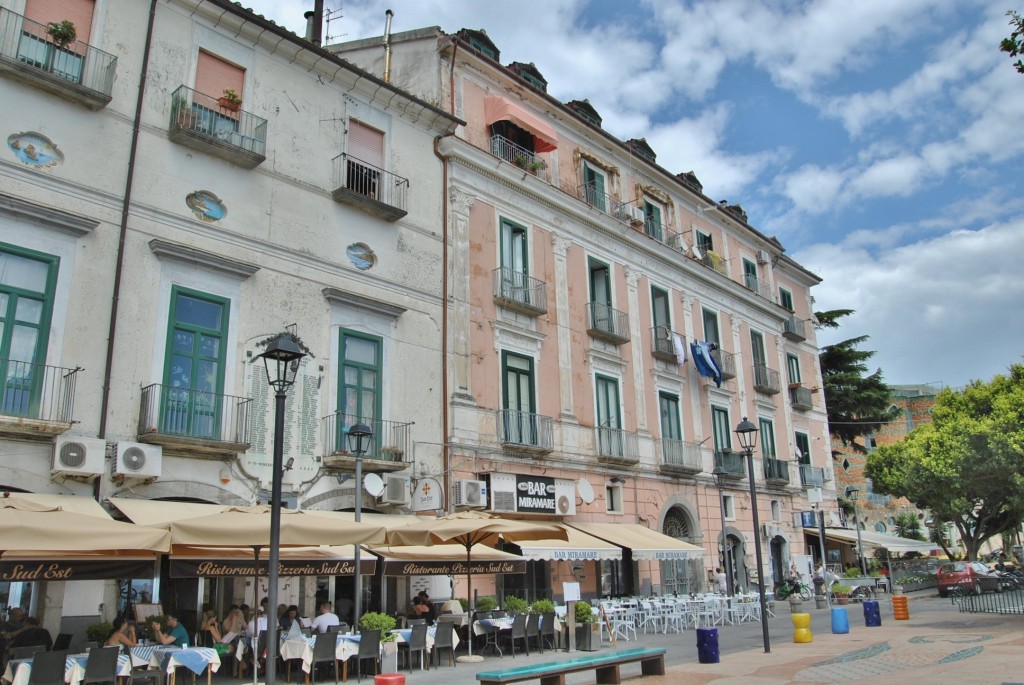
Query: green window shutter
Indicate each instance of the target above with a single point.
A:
(767, 438)
(670, 424)
(720, 428)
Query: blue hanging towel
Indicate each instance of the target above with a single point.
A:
(705, 363)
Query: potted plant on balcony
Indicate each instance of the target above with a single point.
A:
(536, 166)
(229, 100)
(391, 453)
(62, 32)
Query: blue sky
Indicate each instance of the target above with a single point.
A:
(880, 141)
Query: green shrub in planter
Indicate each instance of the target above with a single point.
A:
(486, 604)
(99, 632)
(516, 605)
(852, 573)
(542, 606)
(374, 620)
(584, 613)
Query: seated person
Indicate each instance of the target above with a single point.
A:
(258, 624)
(234, 622)
(176, 634)
(291, 617)
(419, 610)
(326, 620)
(343, 608)
(32, 634)
(210, 625)
(122, 634)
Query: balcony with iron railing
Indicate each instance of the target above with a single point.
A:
(759, 287)
(616, 446)
(678, 456)
(662, 346)
(503, 148)
(800, 398)
(793, 329)
(677, 241)
(36, 400)
(812, 476)
(524, 431)
(767, 380)
(389, 449)
(726, 362)
(369, 188)
(604, 202)
(203, 123)
(516, 291)
(733, 463)
(205, 423)
(776, 471)
(713, 261)
(654, 229)
(75, 71)
(608, 324)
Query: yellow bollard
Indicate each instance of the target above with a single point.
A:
(900, 610)
(802, 628)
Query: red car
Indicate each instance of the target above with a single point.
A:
(973, 574)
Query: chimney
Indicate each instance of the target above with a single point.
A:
(387, 46)
(315, 23)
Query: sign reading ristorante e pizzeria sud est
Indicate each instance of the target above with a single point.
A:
(404, 567)
(226, 568)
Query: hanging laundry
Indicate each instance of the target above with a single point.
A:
(705, 363)
(680, 349)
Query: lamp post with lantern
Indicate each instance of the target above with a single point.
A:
(746, 433)
(359, 437)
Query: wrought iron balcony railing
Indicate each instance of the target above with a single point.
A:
(654, 229)
(391, 441)
(793, 329)
(615, 444)
(608, 204)
(525, 431)
(766, 380)
(661, 343)
(726, 362)
(800, 398)
(677, 455)
(76, 70)
(713, 260)
(607, 323)
(761, 288)
(776, 470)
(379, 192)
(515, 290)
(201, 122)
(503, 148)
(732, 462)
(37, 392)
(171, 415)
(812, 476)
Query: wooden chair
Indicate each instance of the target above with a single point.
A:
(48, 668)
(369, 648)
(417, 643)
(324, 651)
(101, 666)
(443, 640)
(518, 632)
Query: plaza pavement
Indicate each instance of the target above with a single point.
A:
(937, 645)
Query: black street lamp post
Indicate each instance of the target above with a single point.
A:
(359, 437)
(281, 358)
(719, 474)
(746, 432)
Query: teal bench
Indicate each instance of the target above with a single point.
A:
(652, 662)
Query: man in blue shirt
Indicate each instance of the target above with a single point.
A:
(176, 634)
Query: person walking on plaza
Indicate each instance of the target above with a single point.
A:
(721, 581)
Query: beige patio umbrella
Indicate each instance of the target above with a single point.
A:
(250, 526)
(29, 526)
(468, 528)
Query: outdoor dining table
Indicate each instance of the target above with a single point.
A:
(18, 671)
(168, 658)
(492, 628)
(346, 647)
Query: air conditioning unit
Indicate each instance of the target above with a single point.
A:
(470, 493)
(396, 490)
(565, 497)
(763, 257)
(138, 460)
(503, 492)
(78, 457)
(636, 215)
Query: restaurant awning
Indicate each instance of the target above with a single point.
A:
(446, 560)
(872, 540)
(85, 506)
(500, 109)
(220, 562)
(579, 547)
(644, 543)
(152, 512)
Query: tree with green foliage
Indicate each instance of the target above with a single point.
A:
(967, 465)
(908, 526)
(857, 404)
(1014, 45)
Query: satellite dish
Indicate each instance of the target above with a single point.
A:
(373, 484)
(586, 490)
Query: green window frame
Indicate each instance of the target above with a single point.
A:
(668, 407)
(482, 48)
(803, 447)
(609, 416)
(767, 438)
(710, 321)
(660, 307)
(193, 378)
(600, 282)
(360, 370)
(757, 348)
(514, 248)
(652, 220)
(518, 395)
(593, 185)
(786, 299)
(720, 428)
(793, 368)
(705, 242)
(28, 282)
(749, 274)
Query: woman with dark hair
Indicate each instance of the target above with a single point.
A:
(291, 615)
(122, 634)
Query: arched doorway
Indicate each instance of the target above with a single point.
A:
(730, 559)
(680, 576)
(777, 550)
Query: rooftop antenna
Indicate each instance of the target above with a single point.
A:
(331, 15)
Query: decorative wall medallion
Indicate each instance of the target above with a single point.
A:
(35, 149)
(361, 256)
(206, 206)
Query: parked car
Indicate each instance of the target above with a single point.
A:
(973, 574)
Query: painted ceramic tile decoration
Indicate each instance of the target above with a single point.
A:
(206, 206)
(35, 149)
(361, 256)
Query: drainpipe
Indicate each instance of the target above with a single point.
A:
(387, 46)
(125, 206)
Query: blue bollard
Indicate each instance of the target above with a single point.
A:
(707, 645)
(872, 614)
(840, 621)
